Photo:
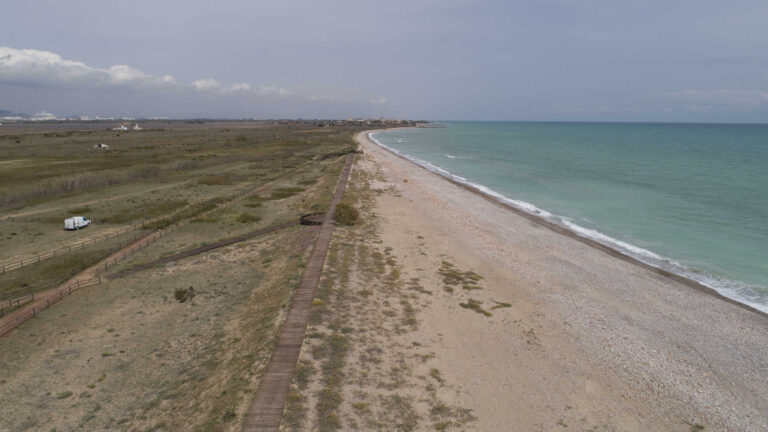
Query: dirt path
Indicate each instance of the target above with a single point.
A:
(269, 401)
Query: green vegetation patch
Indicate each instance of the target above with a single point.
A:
(71, 184)
(453, 276)
(247, 218)
(64, 394)
(191, 211)
(79, 210)
(286, 192)
(500, 305)
(148, 211)
(184, 294)
(345, 214)
(475, 305)
(329, 397)
(54, 270)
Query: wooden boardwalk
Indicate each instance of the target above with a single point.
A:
(267, 408)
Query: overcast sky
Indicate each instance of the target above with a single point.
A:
(613, 60)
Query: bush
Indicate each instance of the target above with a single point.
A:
(247, 217)
(345, 214)
(184, 294)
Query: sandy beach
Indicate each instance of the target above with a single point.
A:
(589, 341)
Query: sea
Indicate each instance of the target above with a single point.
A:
(688, 198)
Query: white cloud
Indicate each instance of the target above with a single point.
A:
(207, 85)
(380, 101)
(35, 67)
(241, 87)
(719, 97)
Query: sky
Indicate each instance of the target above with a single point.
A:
(543, 60)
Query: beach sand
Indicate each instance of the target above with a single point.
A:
(589, 342)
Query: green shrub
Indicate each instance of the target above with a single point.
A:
(247, 218)
(345, 214)
(285, 192)
(184, 294)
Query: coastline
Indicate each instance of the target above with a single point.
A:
(588, 341)
(567, 231)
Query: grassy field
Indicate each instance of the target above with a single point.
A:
(179, 346)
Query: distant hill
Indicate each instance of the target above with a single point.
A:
(6, 113)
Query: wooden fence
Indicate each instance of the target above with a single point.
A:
(20, 262)
(49, 300)
(15, 219)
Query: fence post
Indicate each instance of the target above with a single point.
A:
(99, 279)
(38, 258)
(78, 283)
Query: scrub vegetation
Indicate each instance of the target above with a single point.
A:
(179, 346)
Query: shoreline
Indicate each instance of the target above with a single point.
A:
(566, 334)
(564, 230)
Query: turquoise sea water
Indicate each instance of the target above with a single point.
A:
(690, 198)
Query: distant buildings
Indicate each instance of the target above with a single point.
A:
(124, 127)
(43, 116)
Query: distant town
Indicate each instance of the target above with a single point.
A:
(131, 123)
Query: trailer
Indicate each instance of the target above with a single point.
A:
(75, 223)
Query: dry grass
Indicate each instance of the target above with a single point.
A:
(76, 183)
(215, 180)
(159, 357)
